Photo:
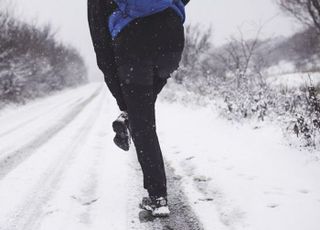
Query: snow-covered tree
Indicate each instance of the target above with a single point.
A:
(33, 63)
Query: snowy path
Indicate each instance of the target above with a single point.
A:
(60, 170)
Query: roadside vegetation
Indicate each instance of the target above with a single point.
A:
(33, 63)
(248, 79)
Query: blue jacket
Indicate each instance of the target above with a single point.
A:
(128, 10)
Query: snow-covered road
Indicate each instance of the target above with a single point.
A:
(59, 169)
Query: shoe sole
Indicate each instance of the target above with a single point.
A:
(121, 131)
(149, 209)
(119, 128)
(120, 145)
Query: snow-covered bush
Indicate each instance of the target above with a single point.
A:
(233, 78)
(307, 123)
(33, 63)
(194, 72)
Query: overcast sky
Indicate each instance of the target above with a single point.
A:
(69, 19)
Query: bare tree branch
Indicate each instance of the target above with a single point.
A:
(306, 11)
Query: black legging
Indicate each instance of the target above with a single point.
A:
(140, 101)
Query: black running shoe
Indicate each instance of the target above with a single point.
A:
(158, 206)
(121, 128)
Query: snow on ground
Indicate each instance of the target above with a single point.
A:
(238, 177)
(60, 170)
(73, 179)
(294, 80)
(285, 74)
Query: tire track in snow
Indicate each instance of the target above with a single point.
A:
(83, 192)
(97, 200)
(22, 124)
(48, 103)
(13, 159)
(181, 217)
(28, 215)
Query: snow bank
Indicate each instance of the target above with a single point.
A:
(240, 177)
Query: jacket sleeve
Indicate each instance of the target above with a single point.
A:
(98, 16)
(185, 2)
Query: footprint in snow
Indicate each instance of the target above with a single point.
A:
(273, 205)
(304, 191)
(90, 202)
(177, 178)
(190, 158)
(201, 178)
(206, 199)
(51, 212)
(83, 202)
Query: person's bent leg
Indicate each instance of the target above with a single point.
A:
(141, 112)
(111, 78)
(114, 87)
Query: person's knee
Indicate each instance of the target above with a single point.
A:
(167, 63)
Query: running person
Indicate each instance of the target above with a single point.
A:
(138, 44)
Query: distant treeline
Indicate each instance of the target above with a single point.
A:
(33, 63)
(301, 49)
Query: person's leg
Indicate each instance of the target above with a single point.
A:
(141, 112)
(111, 79)
(115, 89)
(145, 44)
